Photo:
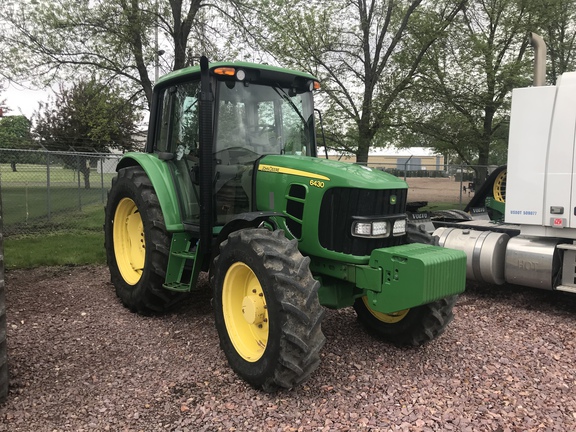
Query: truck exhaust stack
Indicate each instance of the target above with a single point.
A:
(539, 59)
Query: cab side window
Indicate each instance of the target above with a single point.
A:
(179, 135)
(179, 128)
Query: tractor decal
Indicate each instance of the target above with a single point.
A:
(291, 171)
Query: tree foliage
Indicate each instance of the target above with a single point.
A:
(14, 134)
(88, 116)
(558, 26)
(460, 103)
(402, 72)
(49, 41)
(366, 53)
(3, 107)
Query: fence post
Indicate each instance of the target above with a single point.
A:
(102, 179)
(461, 181)
(26, 202)
(405, 166)
(48, 201)
(78, 170)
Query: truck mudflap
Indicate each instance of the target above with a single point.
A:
(402, 277)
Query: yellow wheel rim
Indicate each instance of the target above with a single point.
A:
(499, 188)
(129, 245)
(390, 318)
(245, 312)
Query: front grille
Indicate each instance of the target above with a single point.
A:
(295, 209)
(339, 205)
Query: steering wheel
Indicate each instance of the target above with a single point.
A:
(261, 128)
(235, 155)
(235, 148)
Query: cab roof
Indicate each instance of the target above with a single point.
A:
(181, 74)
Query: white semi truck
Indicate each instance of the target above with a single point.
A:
(529, 237)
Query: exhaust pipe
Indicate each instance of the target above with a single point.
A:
(539, 59)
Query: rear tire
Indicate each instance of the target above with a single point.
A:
(415, 326)
(137, 243)
(266, 308)
(3, 326)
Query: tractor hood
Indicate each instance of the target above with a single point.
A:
(329, 173)
(320, 200)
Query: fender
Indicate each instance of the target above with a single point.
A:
(247, 220)
(159, 174)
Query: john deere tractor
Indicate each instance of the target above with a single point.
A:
(230, 184)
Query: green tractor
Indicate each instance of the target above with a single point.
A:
(230, 184)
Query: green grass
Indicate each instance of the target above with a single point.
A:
(73, 239)
(37, 175)
(27, 201)
(26, 205)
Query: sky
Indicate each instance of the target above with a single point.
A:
(21, 100)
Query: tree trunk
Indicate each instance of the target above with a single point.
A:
(85, 170)
(365, 136)
(484, 149)
(182, 27)
(482, 168)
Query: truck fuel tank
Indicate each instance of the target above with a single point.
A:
(498, 258)
(533, 261)
(485, 251)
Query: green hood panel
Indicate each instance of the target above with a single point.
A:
(332, 173)
(296, 186)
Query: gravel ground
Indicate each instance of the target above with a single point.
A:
(81, 362)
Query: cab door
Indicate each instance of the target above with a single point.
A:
(177, 141)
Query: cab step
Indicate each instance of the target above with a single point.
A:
(177, 286)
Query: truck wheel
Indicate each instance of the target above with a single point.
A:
(267, 311)
(137, 244)
(455, 215)
(414, 326)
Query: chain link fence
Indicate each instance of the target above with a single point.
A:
(40, 186)
(461, 173)
(446, 185)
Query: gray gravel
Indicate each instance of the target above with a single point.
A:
(81, 362)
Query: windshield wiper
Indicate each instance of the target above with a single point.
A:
(288, 99)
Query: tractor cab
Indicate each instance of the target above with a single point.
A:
(256, 112)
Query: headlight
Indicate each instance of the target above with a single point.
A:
(369, 228)
(373, 229)
(399, 227)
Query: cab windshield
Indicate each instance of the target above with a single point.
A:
(258, 120)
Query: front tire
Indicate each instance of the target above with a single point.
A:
(415, 326)
(266, 308)
(137, 243)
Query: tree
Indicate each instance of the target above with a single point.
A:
(88, 116)
(14, 134)
(3, 107)
(558, 24)
(48, 41)
(366, 53)
(459, 104)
